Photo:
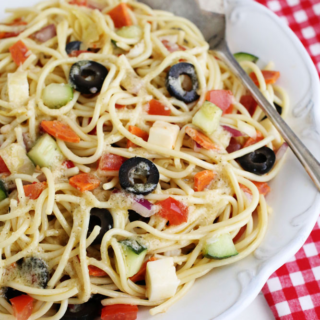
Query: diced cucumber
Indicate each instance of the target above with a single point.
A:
(3, 191)
(133, 254)
(57, 95)
(243, 56)
(131, 32)
(208, 117)
(220, 248)
(46, 153)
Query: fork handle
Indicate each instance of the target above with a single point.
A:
(308, 161)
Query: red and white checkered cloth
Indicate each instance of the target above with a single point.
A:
(293, 291)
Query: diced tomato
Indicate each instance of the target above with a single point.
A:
(141, 274)
(240, 233)
(174, 211)
(119, 312)
(19, 52)
(221, 98)
(3, 167)
(234, 145)
(158, 109)
(76, 53)
(96, 272)
(139, 133)
(173, 47)
(111, 162)
(255, 140)
(84, 182)
(16, 22)
(22, 307)
(249, 103)
(119, 106)
(270, 77)
(69, 164)
(120, 16)
(33, 191)
(201, 139)
(202, 180)
(263, 187)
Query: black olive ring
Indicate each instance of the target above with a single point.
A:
(140, 169)
(87, 76)
(86, 311)
(73, 46)
(259, 161)
(173, 83)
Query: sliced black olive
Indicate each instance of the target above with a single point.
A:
(134, 216)
(139, 176)
(86, 311)
(34, 271)
(279, 109)
(73, 46)
(87, 76)
(102, 218)
(174, 85)
(11, 293)
(259, 162)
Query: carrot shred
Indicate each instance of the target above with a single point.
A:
(19, 52)
(158, 109)
(202, 180)
(139, 133)
(96, 272)
(255, 140)
(263, 188)
(141, 274)
(270, 77)
(60, 131)
(201, 139)
(120, 16)
(33, 191)
(84, 182)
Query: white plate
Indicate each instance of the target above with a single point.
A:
(225, 292)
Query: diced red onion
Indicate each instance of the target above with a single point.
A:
(234, 132)
(45, 33)
(234, 145)
(281, 151)
(196, 147)
(143, 207)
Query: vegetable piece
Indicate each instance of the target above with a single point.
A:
(259, 162)
(102, 218)
(96, 272)
(69, 164)
(158, 109)
(246, 128)
(131, 32)
(139, 133)
(221, 247)
(110, 162)
(164, 134)
(119, 312)
(73, 46)
(133, 255)
(22, 307)
(270, 77)
(263, 187)
(174, 85)
(120, 16)
(141, 274)
(139, 176)
(60, 131)
(46, 153)
(87, 76)
(86, 311)
(45, 33)
(134, 216)
(33, 191)
(203, 179)
(84, 182)
(244, 56)
(143, 207)
(3, 191)
(79, 2)
(57, 95)
(11, 293)
(173, 210)
(173, 47)
(234, 145)
(161, 279)
(3, 167)
(201, 139)
(234, 132)
(18, 88)
(19, 52)
(259, 137)
(249, 103)
(207, 118)
(222, 99)
(16, 22)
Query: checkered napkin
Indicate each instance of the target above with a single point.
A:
(293, 291)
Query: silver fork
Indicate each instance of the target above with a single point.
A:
(209, 17)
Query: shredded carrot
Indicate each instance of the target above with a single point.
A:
(33, 191)
(158, 109)
(202, 180)
(141, 274)
(19, 52)
(60, 131)
(96, 272)
(201, 139)
(120, 16)
(263, 187)
(255, 140)
(269, 76)
(139, 133)
(84, 182)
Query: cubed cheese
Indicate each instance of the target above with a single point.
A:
(18, 88)
(164, 134)
(161, 279)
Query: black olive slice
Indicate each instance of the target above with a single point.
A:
(259, 162)
(102, 218)
(86, 311)
(139, 176)
(11, 293)
(174, 85)
(134, 216)
(73, 46)
(87, 76)
(278, 108)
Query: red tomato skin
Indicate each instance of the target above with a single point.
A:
(3, 167)
(249, 103)
(110, 162)
(158, 109)
(119, 312)
(173, 210)
(69, 164)
(22, 307)
(221, 98)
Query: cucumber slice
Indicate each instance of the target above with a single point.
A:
(220, 248)
(57, 95)
(131, 32)
(46, 153)
(208, 117)
(133, 254)
(243, 56)
(3, 191)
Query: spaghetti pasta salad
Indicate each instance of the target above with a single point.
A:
(132, 160)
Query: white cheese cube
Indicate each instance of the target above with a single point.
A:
(18, 88)
(161, 279)
(164, 134)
